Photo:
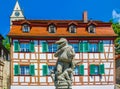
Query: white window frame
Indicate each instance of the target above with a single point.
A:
(50, 30)
(93, 28)
(28, 28)
(72, 27)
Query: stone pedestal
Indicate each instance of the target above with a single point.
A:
(63, 85)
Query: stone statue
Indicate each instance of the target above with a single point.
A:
(63, 72)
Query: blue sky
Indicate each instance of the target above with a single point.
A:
(58, 9)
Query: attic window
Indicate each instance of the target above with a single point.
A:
(72, 29)
(91, 29)
(26, 28)
(52, 29)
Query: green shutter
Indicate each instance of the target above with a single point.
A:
(81, 46)
(86, 47)
(44, 47)
(32, 70)
(16, 47)
(101, 69)
(16, 69)
(32, 48)
(92, 69)
(81, 69)
(45, 70)
(101, 47)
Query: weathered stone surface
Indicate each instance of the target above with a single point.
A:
(62, 75)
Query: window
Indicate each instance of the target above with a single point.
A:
(24, 70)
(84, 47)
(52, 47)
(49, 47)
(93, 48)
(79, 70)
(91, 29)
(76, 47)
(52, 29)
(26, 28)
(50, 68)
(23, 47)
(72, 29)
(97, 69)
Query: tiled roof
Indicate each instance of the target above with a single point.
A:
(40, 28)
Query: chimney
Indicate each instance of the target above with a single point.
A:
(85, 17)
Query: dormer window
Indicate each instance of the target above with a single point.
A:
(72, 29)
(52, 29)
(26, 28)
(91, 29)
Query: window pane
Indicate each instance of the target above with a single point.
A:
(54, 47)
(76, 47)
(50, 47)
(76, 70)
(93, 48)
(50, 68)
(24, 70)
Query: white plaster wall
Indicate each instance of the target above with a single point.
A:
(111, 78)
(85, 56)
(42, 79)
(85, 78)
(27, 56)
(33, 79)
(33, 56)
(77, 79)
(27, 79)
(76, 56)
(91, 56)
(97, 78)
(50, 79)
(85, 72)
(15, 55)
(50, 56)
(21, 79)
(111, 49)
(107, 65)
(106, 49)
(96, 55)
(40, 48)
(110, 55)
(73, 87)
(15, 79)
(85, 65)
(42, 56)
(102, 56)
(36, 49)
(81, 55)
(21, 55)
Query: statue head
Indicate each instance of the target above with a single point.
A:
(62, 42)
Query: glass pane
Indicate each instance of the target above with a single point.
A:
(76, 70)
(54, 47)
(76, 47)
(97, 70)
(50, 47)
(93, 48)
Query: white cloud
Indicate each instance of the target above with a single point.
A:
(116, 16)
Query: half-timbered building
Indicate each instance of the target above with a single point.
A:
(33, 47)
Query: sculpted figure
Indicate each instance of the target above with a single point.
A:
(62, 75)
